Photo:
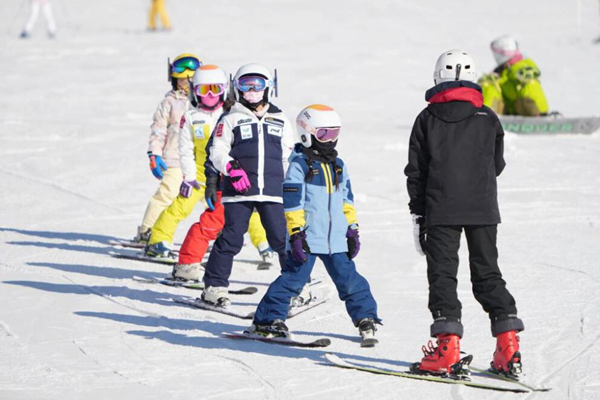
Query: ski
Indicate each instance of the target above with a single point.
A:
(192, 285)
(323, 342)
(496, 375)
(338, 362)
(198, 303)
(131, 244)
(142, 257)
(369, 342)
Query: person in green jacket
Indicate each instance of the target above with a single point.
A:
(513, 88)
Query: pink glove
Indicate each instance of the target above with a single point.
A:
(238, 177)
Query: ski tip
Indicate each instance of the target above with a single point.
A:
(369, 343)
(264, 266)
(322, 342)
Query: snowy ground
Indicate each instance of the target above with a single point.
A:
(74, 117)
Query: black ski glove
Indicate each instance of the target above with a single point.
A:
(210, 195)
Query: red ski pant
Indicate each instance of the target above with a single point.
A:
(201, 233)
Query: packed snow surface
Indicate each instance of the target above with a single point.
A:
(74, 124)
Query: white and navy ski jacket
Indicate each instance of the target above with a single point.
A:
(262, 147)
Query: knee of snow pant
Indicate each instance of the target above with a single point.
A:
(167, 191)
(506, 323)
(193, 247)
(181, 208)
(258, 235)
(276, 302)
(212, 221)
(445, 325)
(531, 100)
(353, 289)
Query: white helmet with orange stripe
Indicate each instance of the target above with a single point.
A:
(210, 86)
(319, 121)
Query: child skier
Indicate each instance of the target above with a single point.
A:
(455, 154)
(163, 152)
(513, 88)
(210, 89)
(250, 146)
(322, 223)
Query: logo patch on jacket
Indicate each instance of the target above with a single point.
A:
(274, 121)
(244, 121)
(182, 122)
(201, 131)
(246, 131)
(274, 130)
(219, 130)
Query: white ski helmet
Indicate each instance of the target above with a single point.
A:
(504, 49)
(454, 65)
(320, 121)
(255, 70)
(210, 75)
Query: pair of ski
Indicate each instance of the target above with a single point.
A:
(195, 285)
(199, 303)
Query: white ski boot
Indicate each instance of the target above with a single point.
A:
(366, 328)
(216, 296)
(187, 272)
(302, 299)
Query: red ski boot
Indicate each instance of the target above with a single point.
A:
(507, 358)
(443, 359)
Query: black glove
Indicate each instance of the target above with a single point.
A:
(210, 194)
(419, 233)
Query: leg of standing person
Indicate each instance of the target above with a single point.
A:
(201, 233)
(488, 286)
(33, 16)
(353, 289)
(258, 235)
(162, 12)
(276, 302)
(228, 244)
(442, 247)
(47, 9)
(273, 220)
(152, 15)
(164, 196)
(165, 226)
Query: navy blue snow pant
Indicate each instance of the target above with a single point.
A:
(353, 288)
(489, 288)
(231, 240)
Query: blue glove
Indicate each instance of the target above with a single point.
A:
(186, 188)
(157, 165)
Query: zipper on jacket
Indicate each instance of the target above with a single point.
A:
(261, 158)
(329, 186)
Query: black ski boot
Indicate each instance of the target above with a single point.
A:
(276, 328)
(366, 328)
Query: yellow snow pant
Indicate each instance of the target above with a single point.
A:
(258, 235)
(164, 196)
(166, 224)
(158, 7)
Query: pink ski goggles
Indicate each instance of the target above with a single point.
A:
(324, 135)
(216, 89)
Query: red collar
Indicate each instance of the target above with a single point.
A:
(459, 94)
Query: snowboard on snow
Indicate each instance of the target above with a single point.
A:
(339, 362)
(549, 124)
(323, 342)
(192, 285)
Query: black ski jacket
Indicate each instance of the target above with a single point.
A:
(455, 154)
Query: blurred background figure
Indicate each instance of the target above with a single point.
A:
(33, 16)
(158, 8)
(513, 88)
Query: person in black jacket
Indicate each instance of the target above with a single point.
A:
(455, 155)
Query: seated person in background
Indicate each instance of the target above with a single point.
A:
(513, 88)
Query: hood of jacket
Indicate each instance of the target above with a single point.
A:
(454, 101)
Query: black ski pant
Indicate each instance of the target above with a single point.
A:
(489, 288)
(231, 240)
